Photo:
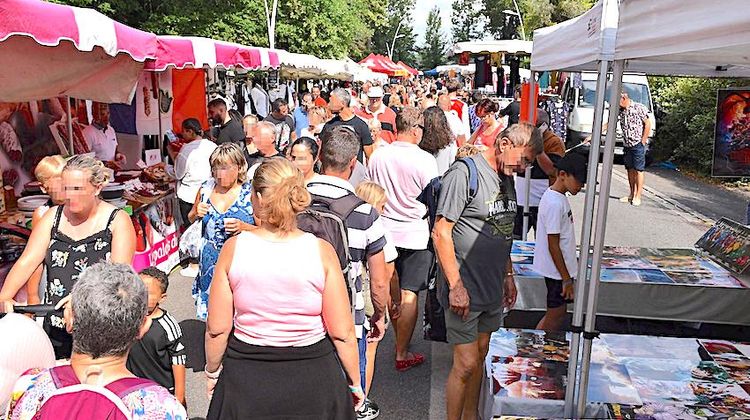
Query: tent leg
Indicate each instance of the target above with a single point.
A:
(527, 174)
(72, 150)
(588, 218)
(600, 229)
(158, 107)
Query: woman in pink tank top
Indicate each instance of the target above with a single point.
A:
(490, 127)
(273, 327)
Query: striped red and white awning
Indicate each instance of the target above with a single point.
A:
(49, 50)
(382, 64)
(195, 52)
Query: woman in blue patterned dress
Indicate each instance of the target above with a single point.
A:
(223, 205)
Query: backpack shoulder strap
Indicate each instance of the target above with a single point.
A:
(115, 399)
(123, 387)
(63, 376)
(473, 176)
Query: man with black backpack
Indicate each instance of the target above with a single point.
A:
(472, 236)
(333, 195)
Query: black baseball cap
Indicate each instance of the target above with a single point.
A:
(575, 164)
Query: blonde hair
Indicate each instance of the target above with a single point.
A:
(395, 101)
(320, 112)
(372, 193)
(282, 187)
(468, 150)
(49, 167)
(100, 175)
(229, 154)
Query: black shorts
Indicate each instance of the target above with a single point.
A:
(554, 293)
(413, 268)
(185, 208)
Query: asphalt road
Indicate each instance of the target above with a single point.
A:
(674, 214)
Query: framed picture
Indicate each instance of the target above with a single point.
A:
(731, 156)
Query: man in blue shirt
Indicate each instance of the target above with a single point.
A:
(300, 113)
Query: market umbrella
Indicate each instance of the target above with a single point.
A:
(49, 50)
(382, 64)
(406, 67)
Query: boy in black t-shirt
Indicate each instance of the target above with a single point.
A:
(159, 355)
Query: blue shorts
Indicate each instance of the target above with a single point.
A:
(635, 157)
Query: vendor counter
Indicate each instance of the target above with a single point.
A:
(642, 377)
(658, 284)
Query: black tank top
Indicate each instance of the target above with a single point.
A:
(66, 258)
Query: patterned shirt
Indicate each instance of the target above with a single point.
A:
(632, 122)
(33, 389)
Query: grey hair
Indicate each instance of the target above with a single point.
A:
(339, 146)
(100, 175)
(523, 134)
(110, 303)
(344, 96)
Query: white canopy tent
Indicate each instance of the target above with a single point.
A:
(510, 46)
(665, 37)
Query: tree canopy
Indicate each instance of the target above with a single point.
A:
(535, 14)
(466, 18)
(432, 54)
(398, 23)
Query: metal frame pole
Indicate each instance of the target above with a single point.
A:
(589, 332)
(158, 106)
(527, 174)
(72, 150)
(588, 219)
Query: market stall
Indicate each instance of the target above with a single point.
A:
(640, 36)
(661, 284)
(382, 64)
(489, 61)
(631, 377)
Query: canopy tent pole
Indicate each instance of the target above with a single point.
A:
(158, 106)
(588, 218)
(527, 174)
(72, 150)
(589, 332)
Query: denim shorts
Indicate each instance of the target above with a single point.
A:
(635, 157)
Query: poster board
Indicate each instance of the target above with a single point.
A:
(731, 153)
(728, 242)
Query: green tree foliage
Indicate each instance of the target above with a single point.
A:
(535, 14)
(466, 18)
(398, 17)
(432, 54)
(685, 132)
(331, 28)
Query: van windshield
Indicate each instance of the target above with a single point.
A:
(635, 91)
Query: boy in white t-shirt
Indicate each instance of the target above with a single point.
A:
(555, 252)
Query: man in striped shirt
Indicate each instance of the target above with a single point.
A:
(365, 232)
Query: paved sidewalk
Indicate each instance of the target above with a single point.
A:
(712, 202)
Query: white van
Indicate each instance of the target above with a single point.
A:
(582, 98)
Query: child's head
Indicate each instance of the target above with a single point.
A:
(373, 194)
(571, 172)
(156, 282)
(49, 172)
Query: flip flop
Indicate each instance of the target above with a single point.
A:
(416, 359)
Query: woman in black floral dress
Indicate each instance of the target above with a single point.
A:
(71, 237)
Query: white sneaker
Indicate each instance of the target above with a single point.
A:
(190, 271)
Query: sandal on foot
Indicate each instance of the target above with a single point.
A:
(416, 359)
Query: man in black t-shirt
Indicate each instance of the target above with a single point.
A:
(284, 123)
(230, 129)
(513, 110)
(344, 115)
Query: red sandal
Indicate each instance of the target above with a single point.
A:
(416, 359)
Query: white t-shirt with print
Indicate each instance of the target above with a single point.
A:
(555, 217)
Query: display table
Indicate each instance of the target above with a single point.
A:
(635, 376)
(644, 283)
